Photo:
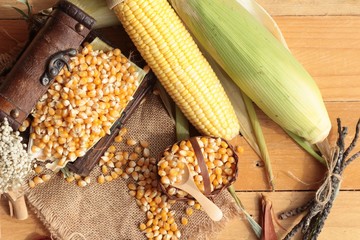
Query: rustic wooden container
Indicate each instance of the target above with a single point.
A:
(204, 171)
(30, 77)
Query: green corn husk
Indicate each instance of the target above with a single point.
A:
(259, 64)
(99, 10)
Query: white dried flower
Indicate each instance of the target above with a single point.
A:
(15, 162)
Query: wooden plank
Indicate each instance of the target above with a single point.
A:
(12, 34)
(342, 222)
(311, 7)
(11, 229)
(274, 7)
(293, 168)
(7, 12)
(329, 48)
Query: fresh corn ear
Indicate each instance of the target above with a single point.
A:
(259, 64)
(174, 57)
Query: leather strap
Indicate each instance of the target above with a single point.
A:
(76, 13)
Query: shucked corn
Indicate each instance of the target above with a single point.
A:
(218, 157)
(172, 54)
(82, 104)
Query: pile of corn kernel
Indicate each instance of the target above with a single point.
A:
(139, 169)
(82, 104)
(218, 156)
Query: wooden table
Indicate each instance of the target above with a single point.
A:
(325, 37)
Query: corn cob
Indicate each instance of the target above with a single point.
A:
(257, 62)
(177, 62)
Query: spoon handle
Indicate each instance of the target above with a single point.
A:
(213, 211)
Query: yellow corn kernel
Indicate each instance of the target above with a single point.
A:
(81, 183)
(203, 79)
(114, 175)
(108, 178)
(104, 169)
(101, 179)
(142, 226)
(197, 206)
(131, 142)
(70, 179)
(38, 169)
(111, 149)
(38, 180)
(122, 131)
(118, 139)
(184, 221)
(31, 183)
(87, 179)
(45, 177)
(189, 211)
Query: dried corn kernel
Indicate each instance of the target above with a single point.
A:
(81, 183)
(131, 142)
(101, 179)
(38, 169)
(87, 179)
(108, 178)
(87, 99)
(118, 139)
(197, 206)
(37, 180)
(217, 154)
(189, 211)
(31, 184)
(45, 177)
(70, 179)
(184, 221)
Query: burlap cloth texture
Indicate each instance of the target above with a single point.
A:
(106, 211)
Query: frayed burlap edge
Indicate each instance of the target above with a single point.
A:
(41, 212)
(209, 230)
(212, 229)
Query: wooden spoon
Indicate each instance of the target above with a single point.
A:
(17, 205)
(188, 185)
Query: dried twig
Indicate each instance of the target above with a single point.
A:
(319, 207)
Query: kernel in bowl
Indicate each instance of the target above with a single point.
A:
(212, 162)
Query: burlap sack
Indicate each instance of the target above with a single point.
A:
(107, 211)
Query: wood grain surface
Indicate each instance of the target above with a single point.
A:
(325, 37)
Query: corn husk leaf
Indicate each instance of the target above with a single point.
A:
(167, 101)
(259, 64)
(260, 139)
(178, 118)
(99, 10)
(259, 13)
(236, 99)
(267, 21)
(267, 224)
(254, 225)
(306, 146)
(182, 125)
(250, 127)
